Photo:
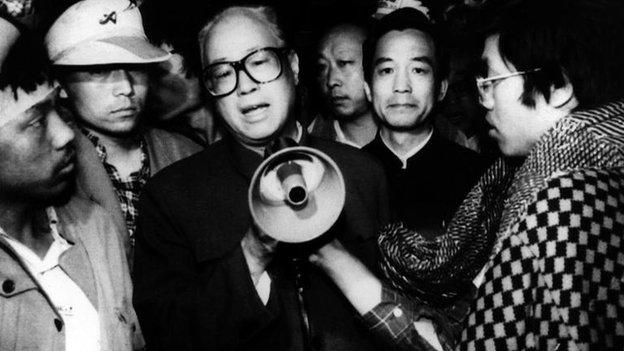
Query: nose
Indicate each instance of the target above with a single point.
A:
(60, 133)
(123, 82)
(334, 78)
(246, 85)
(402, 83)
(486, 100)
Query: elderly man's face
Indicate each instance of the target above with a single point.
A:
(340, 74)
(255, 112)
(36, 150)
(109, 99)
(403, 83)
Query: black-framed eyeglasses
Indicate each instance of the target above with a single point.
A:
(262, 66)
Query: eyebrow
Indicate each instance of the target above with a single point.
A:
(47, 103)
(225, 60)
(424, 59)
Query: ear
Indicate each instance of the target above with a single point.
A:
(293, 60)
(559, 97)
(367, 92)
(442, 89)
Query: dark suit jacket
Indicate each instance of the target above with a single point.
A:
(192, 286)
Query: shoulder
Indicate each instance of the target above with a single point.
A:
(86, 218)
(192, 169)
(171, 141)
(347, 156)
(588, 200)
(450, 148)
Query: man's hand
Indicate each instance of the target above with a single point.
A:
(258, 249)
(357, 283)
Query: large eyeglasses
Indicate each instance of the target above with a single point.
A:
(484, 85)
(262, 66)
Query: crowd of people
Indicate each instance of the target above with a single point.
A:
(125, 166)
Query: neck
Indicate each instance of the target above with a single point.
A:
(361, 130)
(116, 145)
(23, 221)
(403, 141)
(122, 152)
(289, 130)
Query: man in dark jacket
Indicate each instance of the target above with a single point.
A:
(406, 78)
(204, 277)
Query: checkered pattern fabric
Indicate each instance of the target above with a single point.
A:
(554, 277)
(559, 282)
(392, 321)
(127, 189)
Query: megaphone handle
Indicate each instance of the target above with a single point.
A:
(303, 311)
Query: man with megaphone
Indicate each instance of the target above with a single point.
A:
(209, 271)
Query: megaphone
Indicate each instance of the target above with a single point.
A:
(296, 194)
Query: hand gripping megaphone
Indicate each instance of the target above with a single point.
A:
(296, 194)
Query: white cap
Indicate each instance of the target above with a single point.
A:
(385, 7)
(99, 32)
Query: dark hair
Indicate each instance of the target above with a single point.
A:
(26, 65)
(579, 41)
(403, 19)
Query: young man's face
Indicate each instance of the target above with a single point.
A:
(254, 112)
(515, 127)
(403, 84)
(36, 150)
(108, 99)
(340, 73)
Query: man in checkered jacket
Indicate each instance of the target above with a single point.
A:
(541, 236)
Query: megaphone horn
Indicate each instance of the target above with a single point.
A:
(296, 194)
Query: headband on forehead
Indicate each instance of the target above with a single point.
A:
(385, 7)
(14, 102)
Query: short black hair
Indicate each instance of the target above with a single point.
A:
(580, 42)
(403, 19)
(26, 65)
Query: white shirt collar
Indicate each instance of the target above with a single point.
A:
(299, 131)
(58, 246)
(410, 153)
(341, 137)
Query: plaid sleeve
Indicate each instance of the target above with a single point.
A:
(392, 323)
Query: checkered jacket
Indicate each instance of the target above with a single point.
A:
(554, 279)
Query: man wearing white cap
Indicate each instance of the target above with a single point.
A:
(102, 59)
(64, 279)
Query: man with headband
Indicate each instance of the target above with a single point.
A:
(64, 280)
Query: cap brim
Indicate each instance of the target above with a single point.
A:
(112, 50)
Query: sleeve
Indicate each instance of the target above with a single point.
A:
(187, 305)
(393, 323)
(557, 279)
(581, 263)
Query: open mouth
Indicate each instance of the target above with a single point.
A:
(254, 109)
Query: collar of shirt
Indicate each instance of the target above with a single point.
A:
(299, 131)
(410, 153)
(58, 246)
(341, 137)
(101, 151)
